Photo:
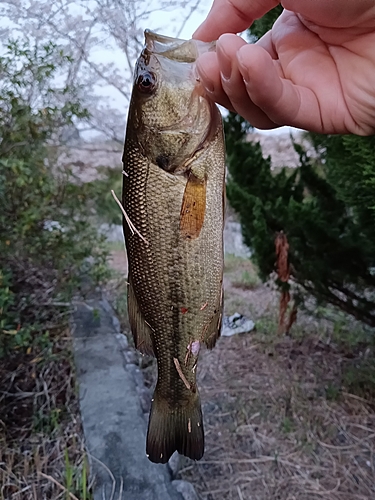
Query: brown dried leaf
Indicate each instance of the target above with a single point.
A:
(282, 250)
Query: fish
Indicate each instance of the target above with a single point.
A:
(173, 205)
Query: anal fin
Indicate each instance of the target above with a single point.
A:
(142, 333)
(212, 332)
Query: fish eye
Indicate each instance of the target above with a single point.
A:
(146, 82)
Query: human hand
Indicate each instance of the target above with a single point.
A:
(314, 70)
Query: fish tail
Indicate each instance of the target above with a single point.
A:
(178, 429)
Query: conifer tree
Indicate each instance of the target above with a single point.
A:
(326, 207)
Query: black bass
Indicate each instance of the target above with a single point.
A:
(173, 201)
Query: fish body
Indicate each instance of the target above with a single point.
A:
(173, 197)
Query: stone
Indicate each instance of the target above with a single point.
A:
(186, 489)
(235, 324)
(113, 419)
(233, 240)
(122, 340)
(174, 463)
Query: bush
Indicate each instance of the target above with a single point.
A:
(326, 209)
(47, 244)
(330, 230)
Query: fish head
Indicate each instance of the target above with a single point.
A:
(170, 116)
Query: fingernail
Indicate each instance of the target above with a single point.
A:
(225, 65)
(242, 67)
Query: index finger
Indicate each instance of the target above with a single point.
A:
(231, 16)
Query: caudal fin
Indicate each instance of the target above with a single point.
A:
(180, 429)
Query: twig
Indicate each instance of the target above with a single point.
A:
(109, 472)
(240, 493)
(132, 228)
(53, 480)
(121, 489)
(192, 10)
(354, 396)
(182, 376)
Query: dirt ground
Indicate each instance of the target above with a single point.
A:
(276, 428)
(283, 420)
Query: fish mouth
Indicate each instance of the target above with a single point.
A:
(176, 49)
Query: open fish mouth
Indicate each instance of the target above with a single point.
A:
(176, 49)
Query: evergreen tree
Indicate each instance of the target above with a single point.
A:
(265, 23)
(325, 207)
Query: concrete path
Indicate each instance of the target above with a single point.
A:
(113, 421)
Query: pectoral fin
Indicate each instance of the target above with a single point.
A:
(193, 207)
(140, 329)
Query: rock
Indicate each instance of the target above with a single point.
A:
(186, 489)
(112, 410)
(232, 325)
(174, 463)
(137, 375)
(233, 240)
(131, 357)
(122, 339)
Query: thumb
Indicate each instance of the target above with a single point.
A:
(231, 16)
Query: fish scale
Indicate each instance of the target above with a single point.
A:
(176, 253)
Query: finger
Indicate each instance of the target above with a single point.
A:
(266, 41)
(209, 75)
(231, 16)
(233, 85)
(280, 99)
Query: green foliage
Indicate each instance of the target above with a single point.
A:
(350, 167)
(332, 392)
(287, 425)
(265, 23)
(326, 208)
(359, 378)
(100, 190)
(76, 478)
(332, 241)
(47, 244)
(247, 281)
(257, 207)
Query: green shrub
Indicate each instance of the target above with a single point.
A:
(330, 231)
(99, 192)
(47, 245)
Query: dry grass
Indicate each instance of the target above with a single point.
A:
(41, 445)
(283, 418)
(243, 291)
(271, 430)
